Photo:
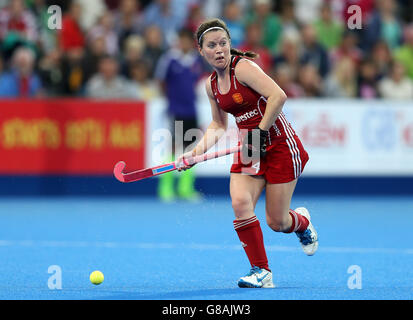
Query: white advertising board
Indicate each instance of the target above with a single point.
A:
(342, 137)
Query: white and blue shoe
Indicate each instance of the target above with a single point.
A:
(257, 278)
(309, 237)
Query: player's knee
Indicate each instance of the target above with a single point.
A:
(278, 224)
(241, 206)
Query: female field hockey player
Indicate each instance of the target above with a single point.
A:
(277, 157)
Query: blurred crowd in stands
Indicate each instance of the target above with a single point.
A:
(111, 48)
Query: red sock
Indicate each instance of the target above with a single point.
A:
(250, 234)
(299, 224)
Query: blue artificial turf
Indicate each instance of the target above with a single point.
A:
(179, 251)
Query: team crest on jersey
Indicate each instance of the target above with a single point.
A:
(237, 97)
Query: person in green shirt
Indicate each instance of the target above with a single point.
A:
(404, 54)
(329, 32)
(269, 22)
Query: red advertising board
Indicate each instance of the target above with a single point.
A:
(70, 136)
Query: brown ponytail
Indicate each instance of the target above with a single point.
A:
(247, 54)
(218, 23)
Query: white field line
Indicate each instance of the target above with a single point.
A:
(193, 246)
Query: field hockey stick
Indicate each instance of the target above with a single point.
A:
(164, 168)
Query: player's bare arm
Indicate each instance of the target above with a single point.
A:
(216, 128)
(250, 74)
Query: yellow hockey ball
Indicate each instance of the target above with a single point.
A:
(96, 277)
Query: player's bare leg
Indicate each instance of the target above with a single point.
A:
(281, 218)
(245, 191)
(278, 200)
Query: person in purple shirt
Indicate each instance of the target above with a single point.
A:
(20, 81)
(178, 71)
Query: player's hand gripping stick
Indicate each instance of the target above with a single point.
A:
(154, 171)
(254, 144)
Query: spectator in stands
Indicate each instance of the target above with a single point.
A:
(128, 20)
(233, 19)
(47, 40)
(104, 28)
(289, 22)
(70, 57)
(71, 36)
(95, 50)
(17, 27)
(143, 86)
(384, 25)
(270, 24)
(72, 43)
(195, 17)
(252, 43)
(310, 81)
(307, 11)
(381, 56)
(367, 82)
(74, 72)
(91, 11)
(329, 31)
(50, 73)
(154, 47)
(160, 13)
(16, 18)
(134, 50)
(21, 81)
(182, 9)
(107, 83)
(404, 54)
(347, 48)
(283, 76)
(290, 53)
(313, 52)
(337, 7)
(357, 12)
(396, 86)
(342, 81)
(212, 8)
